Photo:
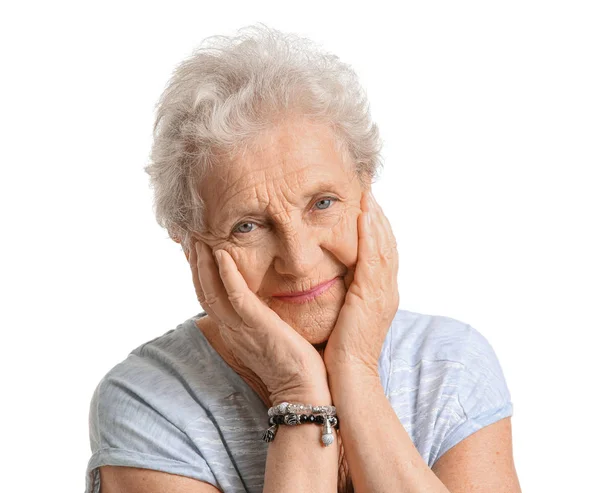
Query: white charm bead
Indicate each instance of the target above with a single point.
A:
(327, 439)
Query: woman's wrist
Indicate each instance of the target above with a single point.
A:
(314, 397)
(319, 474)
(316, 394)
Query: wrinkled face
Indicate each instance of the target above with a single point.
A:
(287, 214)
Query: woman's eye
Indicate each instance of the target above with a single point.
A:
(325, 203)
(242, 228)
(248, 227)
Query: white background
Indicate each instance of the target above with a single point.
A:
(490, 113)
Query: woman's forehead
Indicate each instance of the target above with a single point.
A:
(277, 187)
(292, 159)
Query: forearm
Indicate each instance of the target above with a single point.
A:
(379, 452)
(297, 460)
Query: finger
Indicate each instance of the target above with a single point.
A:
(377, 263)
(389, 246)
(384, 221)
(215, 294)
(193, 260)
(385, 237)
(367, 243)
(267, 327)
(247, 305)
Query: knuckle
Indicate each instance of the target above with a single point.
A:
(211, 299)
(373, 263)
(236, 298)
(373, 260)
(388, 254)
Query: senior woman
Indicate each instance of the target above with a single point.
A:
(301, 374)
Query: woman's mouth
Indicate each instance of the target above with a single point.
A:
(307, 295)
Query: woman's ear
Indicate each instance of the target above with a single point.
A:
(176, 239)
(187, 251)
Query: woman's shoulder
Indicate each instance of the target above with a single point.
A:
(160, 408)
(418, 341)
(445, 380)
(414, 336)
(179, 364)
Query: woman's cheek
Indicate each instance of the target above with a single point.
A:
(250, 263)
(343, 240)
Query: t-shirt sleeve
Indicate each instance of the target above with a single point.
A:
(482, 392)
(126, 428)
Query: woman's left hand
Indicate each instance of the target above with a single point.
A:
(372, 298)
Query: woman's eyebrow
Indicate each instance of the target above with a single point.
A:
(323, 186)
(231, 214)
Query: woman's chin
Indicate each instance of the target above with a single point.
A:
(314, 324)
(314, 319)
(317, 339)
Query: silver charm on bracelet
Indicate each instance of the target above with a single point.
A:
(269, 434)
(327, 437)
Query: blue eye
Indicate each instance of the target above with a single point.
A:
(248, 227)
(240, 228)
(327, 201)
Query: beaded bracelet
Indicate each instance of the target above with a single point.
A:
(296, 408)
(296, 414)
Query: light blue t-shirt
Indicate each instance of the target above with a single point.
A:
(174, 405)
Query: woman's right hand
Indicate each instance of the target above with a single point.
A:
(256, 337)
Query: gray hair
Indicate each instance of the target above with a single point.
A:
(229, 91)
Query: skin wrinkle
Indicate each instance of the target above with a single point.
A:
(294, 245)
(235, 216)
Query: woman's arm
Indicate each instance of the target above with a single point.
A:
(297, 460)
(293, 372)
(381, 456)
(379, 452)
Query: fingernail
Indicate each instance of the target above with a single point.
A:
(218, 256)
(369, 218)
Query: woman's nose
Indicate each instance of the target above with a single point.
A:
(298, 253)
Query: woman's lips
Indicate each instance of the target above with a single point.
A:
(307, 295)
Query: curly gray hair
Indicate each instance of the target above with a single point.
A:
(229, 91)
